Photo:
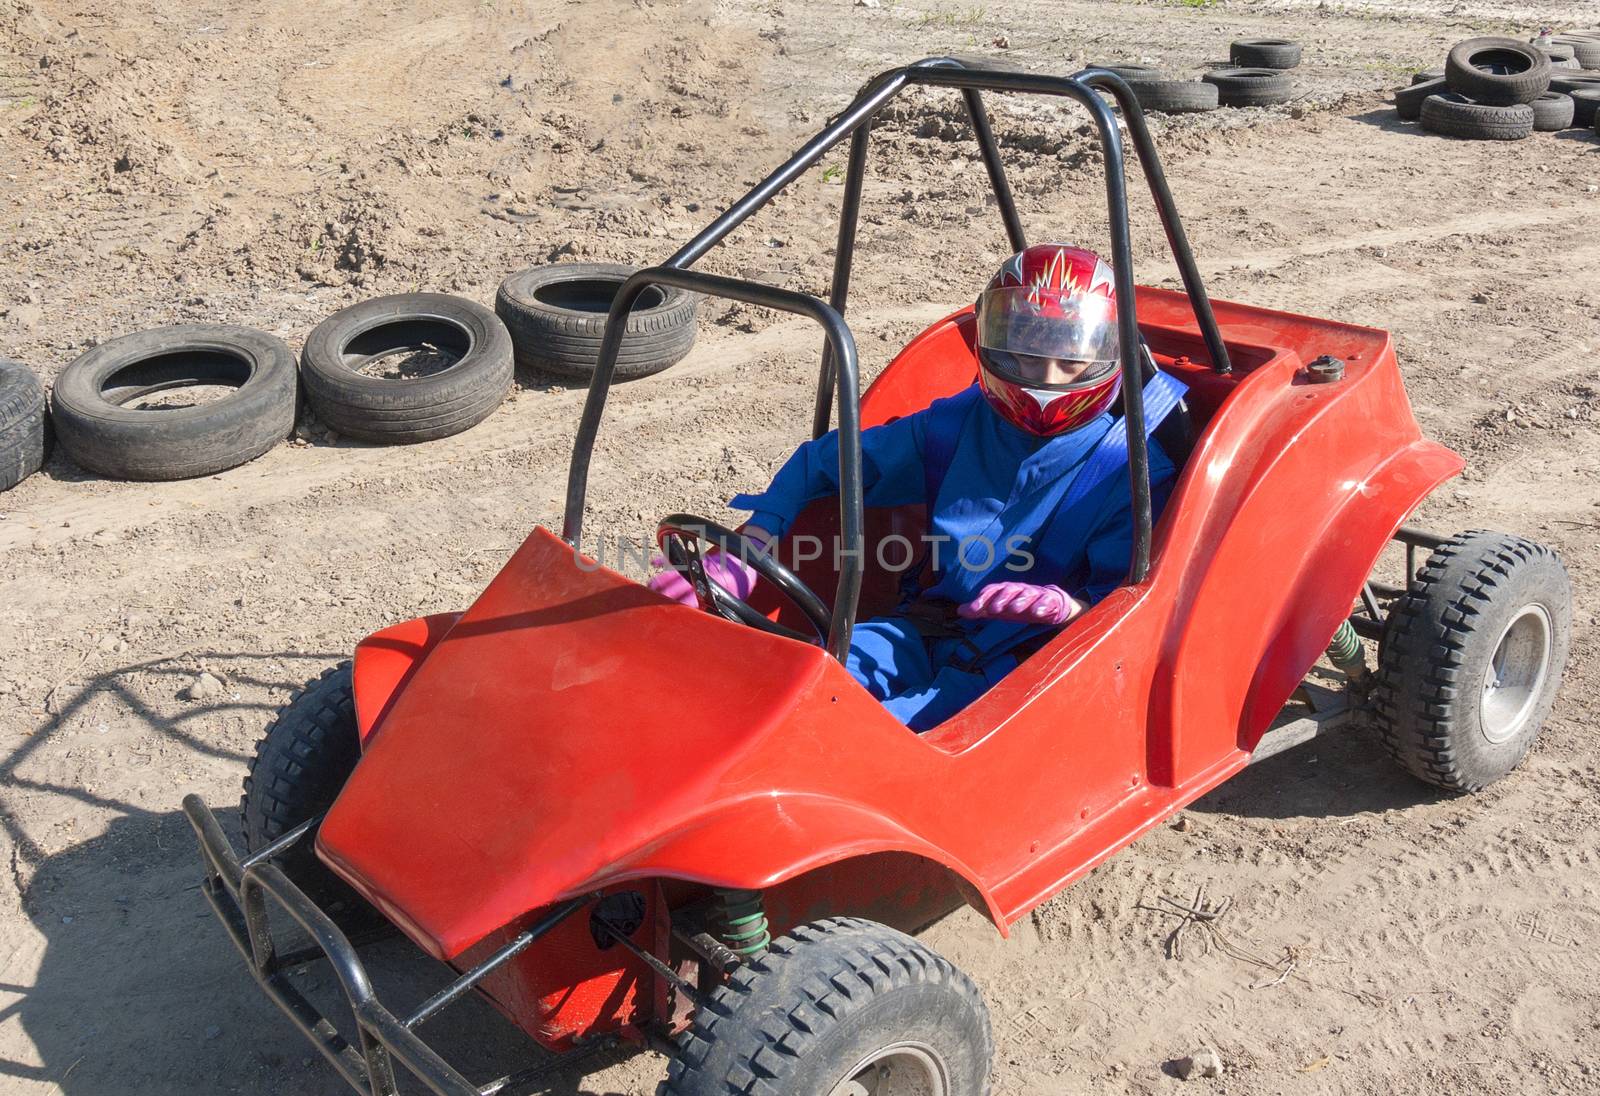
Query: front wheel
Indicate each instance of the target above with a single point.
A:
(839, 1007)
(301, 765)
(1471, 659)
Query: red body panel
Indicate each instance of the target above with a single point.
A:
(385, 661)
(573, 730)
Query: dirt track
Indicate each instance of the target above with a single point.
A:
(167, 162)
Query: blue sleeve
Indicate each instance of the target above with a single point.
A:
(891, 473)
(1110, 547)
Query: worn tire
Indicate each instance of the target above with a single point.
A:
(404, 410)
(1268, 53)
(24, 424)
(1408, 101)
(1424, 77)
(557, 318)
(1557, 53)
(1175, 96)
(300, 766)
(1569, 82)
(1585, 102)
(1452, 115)
(1250, 87)
(1439, 644)
(97, 429)
(1585, 48)
(1137, 73)
(1552, 111)
(1497, 71)
(794, 1021)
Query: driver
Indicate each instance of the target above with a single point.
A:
(1024, 476)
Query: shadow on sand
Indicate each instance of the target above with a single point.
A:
(138, 991)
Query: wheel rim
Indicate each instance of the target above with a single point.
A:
(1515, 677)
(904, 1069)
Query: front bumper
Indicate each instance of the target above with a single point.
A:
(243, 890)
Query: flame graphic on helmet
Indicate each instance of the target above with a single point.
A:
(1056, 268)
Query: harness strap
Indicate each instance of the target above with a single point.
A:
(1162, 394)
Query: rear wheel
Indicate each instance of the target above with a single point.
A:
(1471, 659)
(301, 765)
(840, 1007)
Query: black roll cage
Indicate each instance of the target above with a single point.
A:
(839, 370)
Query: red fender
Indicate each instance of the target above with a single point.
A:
(798, 832)
(385, 661)
(1350, 541)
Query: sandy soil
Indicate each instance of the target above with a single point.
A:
(266, 164)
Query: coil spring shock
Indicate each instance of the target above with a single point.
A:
(1345, 651)
(743, 922)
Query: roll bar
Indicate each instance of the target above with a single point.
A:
(838, 379)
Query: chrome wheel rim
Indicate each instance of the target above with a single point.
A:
(904, 1069)
(1515, 676)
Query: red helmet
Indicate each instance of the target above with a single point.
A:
(1047, 339)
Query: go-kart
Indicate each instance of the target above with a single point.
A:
(618, 817)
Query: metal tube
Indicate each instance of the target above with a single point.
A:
(852, 551)
(990, 149)
(1367, 628)
(268, 851)
(1128, 322)
(941, 72)
(1122, 272)
(1369, 598)
(1171, 223)
(682, 984)
(1419, 538)
(843, 257)
(879, 90)
(500, 958)
(214, 844)
(270, 881)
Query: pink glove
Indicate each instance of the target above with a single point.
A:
(1023, 603)
(730, 572)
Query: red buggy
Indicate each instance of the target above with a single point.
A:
(614, 816)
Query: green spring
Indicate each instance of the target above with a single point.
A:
(744, 922)
(1346, 652)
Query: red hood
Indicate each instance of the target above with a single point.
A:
(570, 716)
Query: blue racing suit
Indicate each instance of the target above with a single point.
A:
(1002, 508)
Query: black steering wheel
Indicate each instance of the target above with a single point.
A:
(678, 537)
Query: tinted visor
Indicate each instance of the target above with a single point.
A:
(1027, 330)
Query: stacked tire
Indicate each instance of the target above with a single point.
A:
(1502, 89)
(1254, 77)
(1486, 92)
(1251, 87)
(1164, 93)
(1582, 45)
(1264, 53)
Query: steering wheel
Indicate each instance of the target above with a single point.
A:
(678, 537)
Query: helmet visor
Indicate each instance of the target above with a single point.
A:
(1032, 330)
